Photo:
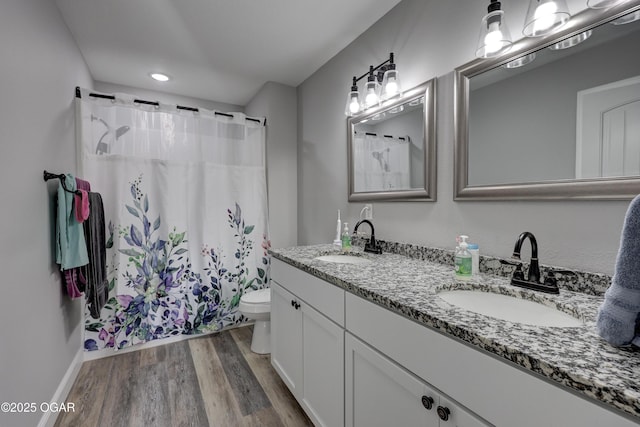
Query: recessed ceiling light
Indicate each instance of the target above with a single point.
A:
(159, 77)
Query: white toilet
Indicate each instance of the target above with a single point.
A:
(256, 305)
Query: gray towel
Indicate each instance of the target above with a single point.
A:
(618, 320)
(97, 290)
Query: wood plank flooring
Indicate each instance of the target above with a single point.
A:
(213, 380)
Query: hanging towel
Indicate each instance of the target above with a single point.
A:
(81, 206)
(71, 248)
(618, 317)
(97, 290)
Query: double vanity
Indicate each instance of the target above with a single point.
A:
(395, 339)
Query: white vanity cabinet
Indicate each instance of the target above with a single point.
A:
(378, 392)
(307, 341)
(499, 392)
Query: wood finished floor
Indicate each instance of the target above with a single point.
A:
(209, 381)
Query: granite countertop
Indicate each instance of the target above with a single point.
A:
(575, 357)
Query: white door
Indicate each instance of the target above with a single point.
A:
(608, 130)
(380, 393)
(286, 337)
(323, 368)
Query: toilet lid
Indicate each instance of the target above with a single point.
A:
(257, 297)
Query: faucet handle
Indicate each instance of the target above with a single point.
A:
(517, 273)
(551, 280)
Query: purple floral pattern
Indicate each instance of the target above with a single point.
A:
(165, 296)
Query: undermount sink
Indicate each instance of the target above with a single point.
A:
(343, 259)
(509, 308)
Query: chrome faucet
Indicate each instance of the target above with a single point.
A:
(372, 246)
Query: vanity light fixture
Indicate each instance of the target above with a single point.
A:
(159, 77)
(391, 86)
(495, 38)
(371, 90)
(374, 93)
(544, 17)
(353, 100)
(571, 41)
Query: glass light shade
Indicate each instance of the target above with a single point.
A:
(391, 84)
(603, 4)
(571, 41)
(626, 19)
(371, 94)
(521, 62)
(544, 17)
(353, 103)
(495, 37)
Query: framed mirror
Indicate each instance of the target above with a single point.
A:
(392, 149)
(557, 117)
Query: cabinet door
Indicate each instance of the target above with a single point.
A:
(323, 368)
(380, 393)
(286, 338)
(458, 417)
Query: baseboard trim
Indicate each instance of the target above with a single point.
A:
(49, 418)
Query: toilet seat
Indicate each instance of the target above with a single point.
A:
(256, 301)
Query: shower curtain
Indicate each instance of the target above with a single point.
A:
(186, 213)
(381, 162)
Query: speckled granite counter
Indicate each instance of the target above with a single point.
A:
(574, 357)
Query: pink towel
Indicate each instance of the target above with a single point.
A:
(81, 207)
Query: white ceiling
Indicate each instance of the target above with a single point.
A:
(220, 50)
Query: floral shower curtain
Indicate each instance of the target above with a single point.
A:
(186, 207)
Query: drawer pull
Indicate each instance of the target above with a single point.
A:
(443, 413)
(427, 402)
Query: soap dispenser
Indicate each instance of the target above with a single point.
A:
(346, 239)
(463, 260)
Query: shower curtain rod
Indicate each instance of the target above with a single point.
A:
(401, 138)
(157, 104)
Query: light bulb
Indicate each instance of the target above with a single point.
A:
(354, 105)
(372, 96)
(392, 87)
(493, 39)
(543, 17)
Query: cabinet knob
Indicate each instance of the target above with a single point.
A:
(297, 306)
(443, 413)
(293, 303)
(427, 402)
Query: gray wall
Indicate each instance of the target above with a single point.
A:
(430, 38)
(523, 129)
(277, 102)
(41, 327)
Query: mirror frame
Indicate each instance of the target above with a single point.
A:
(428, 190)
(607, 188)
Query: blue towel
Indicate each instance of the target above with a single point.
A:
(618, 319)
(71, 247)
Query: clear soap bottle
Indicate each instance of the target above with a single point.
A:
(463, 260)
(346, 238)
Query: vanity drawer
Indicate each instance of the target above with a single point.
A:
(328, 299)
